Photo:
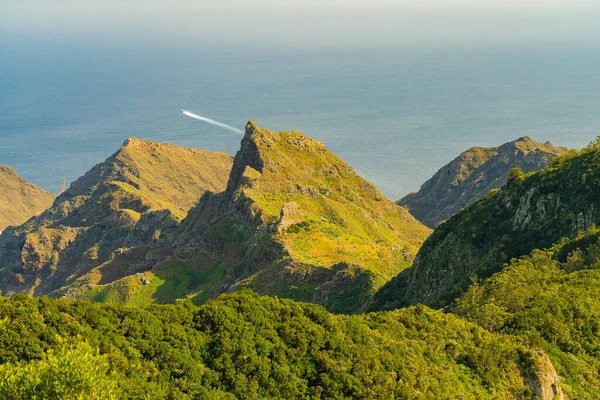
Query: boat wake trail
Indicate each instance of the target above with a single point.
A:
(212, 122)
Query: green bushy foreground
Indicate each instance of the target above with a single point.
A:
(67, 372)
(550, 299)
(246, 346)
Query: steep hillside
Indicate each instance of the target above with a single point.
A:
(550, 300)
(295, 221)
(132, 199)
(530, 211)
(19, 199)
(250, 347)
(473, 174)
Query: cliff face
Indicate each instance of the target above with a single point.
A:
(473, 174)
(295, 221)
(530, 212)
(19, 199)
(134, 198)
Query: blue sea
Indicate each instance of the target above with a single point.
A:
(395, 114)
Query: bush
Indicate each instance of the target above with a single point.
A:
(67, 372)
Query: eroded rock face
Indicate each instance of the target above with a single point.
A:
(134, 198)
(543, 379)
(473, 174)
(290, 215)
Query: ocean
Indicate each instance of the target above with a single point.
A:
(395, 114)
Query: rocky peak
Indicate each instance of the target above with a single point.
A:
(249, 155)
(527, 145)
(306, 217)
(472, 174)
(173, 174)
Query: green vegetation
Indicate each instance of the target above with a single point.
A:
(245, 346)
(19, 199)
(474, 173)
(530, 212)
(165, 283)
(295, 221)
(298, 222)
(551, 300)
(64, 372)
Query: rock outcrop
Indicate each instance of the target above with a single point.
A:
(471, 175)
(542, 378)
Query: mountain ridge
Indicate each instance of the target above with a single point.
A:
(134, 197)
(532, 211)
(295, 221)
(474, 173)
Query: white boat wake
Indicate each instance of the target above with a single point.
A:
(212, 121)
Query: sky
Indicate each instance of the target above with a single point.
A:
(307, 22)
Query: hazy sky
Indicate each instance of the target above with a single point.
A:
(307, 22)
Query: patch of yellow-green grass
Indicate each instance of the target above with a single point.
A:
(339, 216)
(129, 194)
(167, 282)
(132, 215)
(175, 175)
(19, 199)
(380, 240)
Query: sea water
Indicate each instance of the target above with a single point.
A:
(395, 114)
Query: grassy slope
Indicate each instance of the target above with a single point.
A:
(336, 215)
(19, 199)
(175, 177)
(133, 198)
(294, 215)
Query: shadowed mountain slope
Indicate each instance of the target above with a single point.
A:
(531, 211)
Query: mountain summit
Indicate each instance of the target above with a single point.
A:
(474, 173)
(135, 197)
(295, 221)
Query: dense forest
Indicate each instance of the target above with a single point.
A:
(551, 300)
(246, 346)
